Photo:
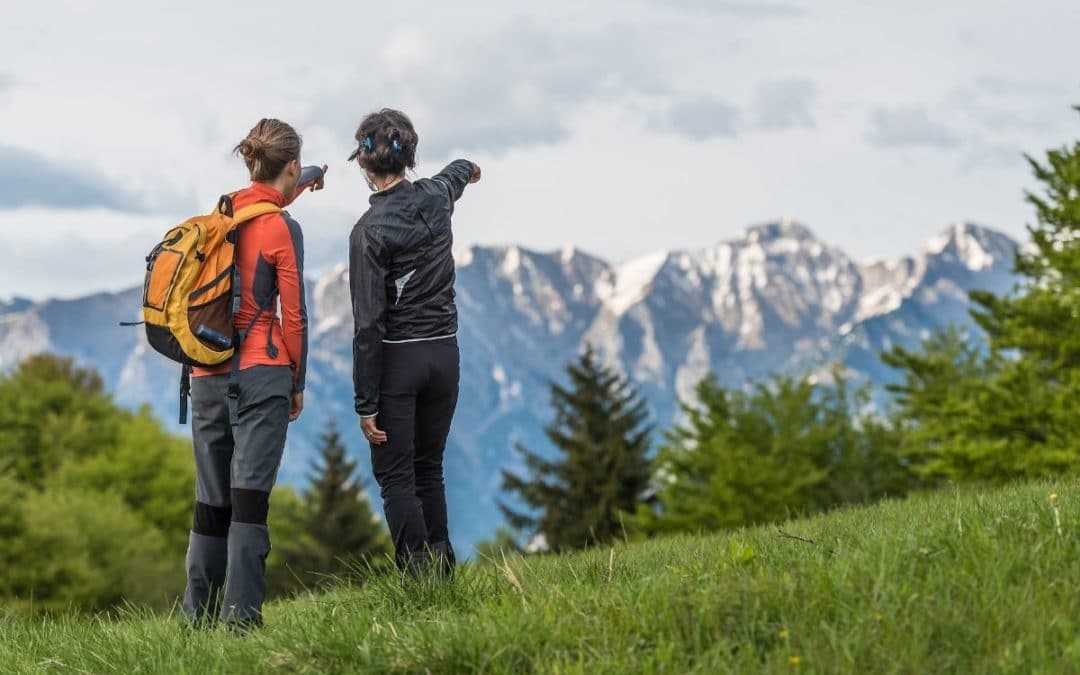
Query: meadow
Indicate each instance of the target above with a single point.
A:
(955, 581)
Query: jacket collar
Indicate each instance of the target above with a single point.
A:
(264, 193)
(386, 193)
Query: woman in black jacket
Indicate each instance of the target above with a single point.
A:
(406, 363)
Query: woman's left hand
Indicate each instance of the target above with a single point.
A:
(372, 432)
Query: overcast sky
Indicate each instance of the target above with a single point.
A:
(620, 127)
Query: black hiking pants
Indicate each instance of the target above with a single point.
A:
(417, 398)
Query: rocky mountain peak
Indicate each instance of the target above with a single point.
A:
(974, 246)
(785, 228)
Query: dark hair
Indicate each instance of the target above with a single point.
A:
(386, 143)
(269, 146)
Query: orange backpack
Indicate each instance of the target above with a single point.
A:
(192, 291)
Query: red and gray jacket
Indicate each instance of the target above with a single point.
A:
(270, 257)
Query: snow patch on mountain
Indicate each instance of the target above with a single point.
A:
(330, 298)
(22, 335)
(631, 282)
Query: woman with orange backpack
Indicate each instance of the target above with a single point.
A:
(241, 410)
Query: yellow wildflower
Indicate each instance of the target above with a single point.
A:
(795, 661)
(1053, 498)
(784, 634)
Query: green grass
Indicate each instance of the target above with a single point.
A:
(953, 582)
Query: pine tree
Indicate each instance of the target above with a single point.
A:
(341, 529)
(601, 471)
(1043, 321)
(1009, 411)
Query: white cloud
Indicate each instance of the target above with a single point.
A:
(703, 118)
(908, 127)
(515, 87)
(29, 179)
(756, 10)
(75, 263)
(786, 104)
(561, 102)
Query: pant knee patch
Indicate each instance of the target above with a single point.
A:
(212, 521)
(250, 506)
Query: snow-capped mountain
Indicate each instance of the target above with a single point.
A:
(741, 308)
(775, 298)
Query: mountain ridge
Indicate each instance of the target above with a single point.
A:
(774, 298)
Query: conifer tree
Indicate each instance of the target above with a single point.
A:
(341, 528)
(600, 473)
(1010, 410)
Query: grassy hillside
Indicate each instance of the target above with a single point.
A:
(953, 582)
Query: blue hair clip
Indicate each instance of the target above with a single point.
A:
(368, 143)
(396, 147)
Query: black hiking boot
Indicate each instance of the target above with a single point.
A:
(443, 560)
(243, 627)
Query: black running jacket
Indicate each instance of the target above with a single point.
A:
(401, 273)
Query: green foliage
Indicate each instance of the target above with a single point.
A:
(1042, 321)
(1008, 410)
(602, 434)
(288, 532)
(96, 500)
(149, 468)
(12, 527)
(339, 515)
(967, 415)
(788, 445)
(52, 411)
(958, 581)
(86, 551)
(334, 533)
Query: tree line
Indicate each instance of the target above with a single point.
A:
(996, 404)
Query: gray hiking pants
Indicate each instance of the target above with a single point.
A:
(236, 468)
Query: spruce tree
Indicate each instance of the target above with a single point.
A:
(1008, 411)
(1042, 321)
(600, 473)
(341, 528)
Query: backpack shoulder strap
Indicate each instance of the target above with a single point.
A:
(240, 217)
(254, 211)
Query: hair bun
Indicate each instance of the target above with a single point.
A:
(386, 143)
(252, 148)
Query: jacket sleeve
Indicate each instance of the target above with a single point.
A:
(367, 283)
(454, 178)
(289, 261)
(289, 199)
